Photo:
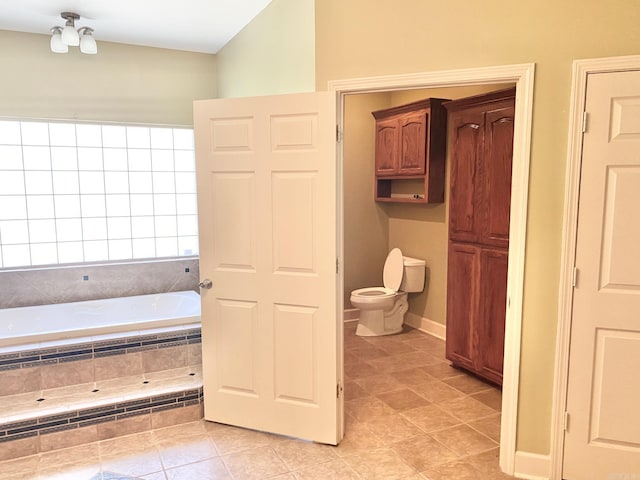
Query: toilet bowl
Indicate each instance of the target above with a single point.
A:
(382, 309)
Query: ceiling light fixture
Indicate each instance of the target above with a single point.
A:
(63, 38)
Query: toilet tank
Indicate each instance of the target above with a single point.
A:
(413, 278)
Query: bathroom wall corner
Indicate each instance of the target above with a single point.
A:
(426, 325)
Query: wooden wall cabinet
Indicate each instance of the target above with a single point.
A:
(410, 152)
(481, 151)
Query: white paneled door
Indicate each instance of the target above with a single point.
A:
(603, 401)
(266, 170)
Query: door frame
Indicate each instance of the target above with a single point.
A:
(581, 70)
(523, 76)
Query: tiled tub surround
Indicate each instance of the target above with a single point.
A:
(44, 286)
(69, 395)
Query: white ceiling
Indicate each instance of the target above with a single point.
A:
(193, 25)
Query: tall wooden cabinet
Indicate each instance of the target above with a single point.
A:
(481, 150)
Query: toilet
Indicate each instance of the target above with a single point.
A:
(382, 309)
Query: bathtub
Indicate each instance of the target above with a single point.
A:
(97, 319)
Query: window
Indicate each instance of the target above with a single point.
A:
(72, 193)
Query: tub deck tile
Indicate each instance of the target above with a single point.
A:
(96, 421)
(135, 403)
(170, 343)
(110, 343)
(37, 363)
(83, 351)
(73, 358)
(10, 356)
(96, 411)
(74, 347)
(16, 425)
(11, 362)
(107, 353)
(53, 418)
(30, 353)
(96, 417)
(144, 348)
(109, 348)
(61, 355)
(43, 425)
(47, 351)
(136, 413)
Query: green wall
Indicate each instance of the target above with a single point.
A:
(273, 54)
(361, 38)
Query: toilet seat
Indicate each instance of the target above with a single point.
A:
(373, 294)
(392, 277)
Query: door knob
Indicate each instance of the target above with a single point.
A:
(206, 283)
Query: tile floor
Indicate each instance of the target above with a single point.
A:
(409, 415)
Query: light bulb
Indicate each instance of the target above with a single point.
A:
(87, 42)
(70, 35)
(57, 46)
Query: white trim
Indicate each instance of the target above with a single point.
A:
(581, 70)
(532, 466)
(523, 76)
(426, 325)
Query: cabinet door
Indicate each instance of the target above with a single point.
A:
(413, 135)
(465, 177)
(498, 153)
(462, 300)
(387, 139)
(491, 313)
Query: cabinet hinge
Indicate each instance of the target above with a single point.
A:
(338, 134)
(585, 117)
(337, 265)
(338, 390)
(574, 279)
(566, 421)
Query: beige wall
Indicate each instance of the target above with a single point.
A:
(121, 83)
(274, 54)
(354, 39)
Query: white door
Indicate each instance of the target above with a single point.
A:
(266, 169)
(603, 399)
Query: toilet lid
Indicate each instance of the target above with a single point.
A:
(393, 270)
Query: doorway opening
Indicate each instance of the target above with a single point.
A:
(481, 78)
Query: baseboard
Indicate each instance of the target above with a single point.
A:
(532, 466)
(426, 325)
(351, 314)
(421, 323)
